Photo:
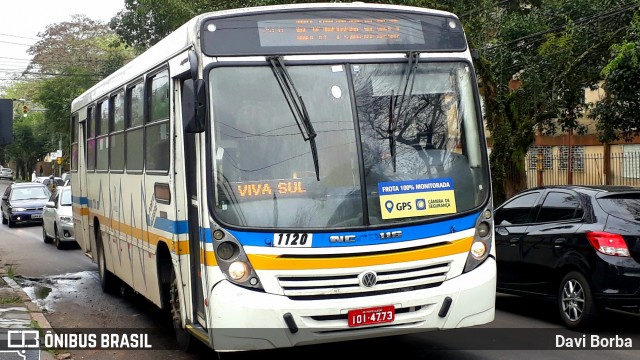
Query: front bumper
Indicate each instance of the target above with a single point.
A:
(26, 216)
(243, 319)
(65, 232)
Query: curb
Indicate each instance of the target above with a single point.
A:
(34, 311)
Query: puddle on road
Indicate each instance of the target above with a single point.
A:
(49, 290)
(41, 292)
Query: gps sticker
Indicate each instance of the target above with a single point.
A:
(401, 199)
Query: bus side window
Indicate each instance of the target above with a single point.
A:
(157, 129)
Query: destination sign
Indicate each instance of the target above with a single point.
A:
(339, 31)
(266, 189)
(318, 31)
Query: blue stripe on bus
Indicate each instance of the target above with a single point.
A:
(80, 200)
(172, 226)
(205, 233)
(371, 237)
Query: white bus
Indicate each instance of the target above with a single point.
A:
(295, 174)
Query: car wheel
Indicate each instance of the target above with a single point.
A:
(56, 238)
(575, 301)
(108, 281)
(46, 238)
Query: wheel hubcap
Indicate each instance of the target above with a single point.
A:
(573, 300)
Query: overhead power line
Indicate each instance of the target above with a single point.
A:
(581, 21)
(19, 37)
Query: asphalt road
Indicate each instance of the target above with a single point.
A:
(64, 283)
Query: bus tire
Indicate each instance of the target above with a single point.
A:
(184, 339)
(108, 281)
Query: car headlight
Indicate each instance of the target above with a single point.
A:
(19, 209)
(65, 219)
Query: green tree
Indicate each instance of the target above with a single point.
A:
(617, 114)
(69, 58)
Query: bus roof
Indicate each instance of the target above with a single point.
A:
(187, 35)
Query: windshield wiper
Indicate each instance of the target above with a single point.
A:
(297, 107)
(394, 119)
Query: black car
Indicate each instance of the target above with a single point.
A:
(577, 245)
(23, 202)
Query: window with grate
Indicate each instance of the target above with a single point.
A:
(577, 158)
(547, 158)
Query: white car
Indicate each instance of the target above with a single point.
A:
(57, 218)
(6, 173)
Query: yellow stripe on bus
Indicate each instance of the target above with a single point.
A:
(152, 239)
(81, 211)
(278, 262)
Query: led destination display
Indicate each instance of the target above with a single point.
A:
(328, 31)
(332, 31)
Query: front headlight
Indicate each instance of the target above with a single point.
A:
(65, 219)
(19, 209)
(482, 240)
(233, 261)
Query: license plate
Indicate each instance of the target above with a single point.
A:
(36, 216)
(375, 315)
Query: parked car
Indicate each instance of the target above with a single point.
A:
(23, 202)
(57, 218)
(6, 173)
(579, 246)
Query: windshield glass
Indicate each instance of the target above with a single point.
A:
(65, 198)
(264, 169)
(30, 193)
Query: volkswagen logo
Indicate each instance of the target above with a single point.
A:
(368, 279)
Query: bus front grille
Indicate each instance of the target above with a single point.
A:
(329, 286)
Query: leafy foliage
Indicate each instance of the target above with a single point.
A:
(617, 113)
(69, 58)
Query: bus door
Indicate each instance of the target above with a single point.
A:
(82, 223)
(196, 245)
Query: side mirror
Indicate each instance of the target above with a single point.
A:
(50, 204)
(194, 109)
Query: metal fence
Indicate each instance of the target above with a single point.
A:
(586, 169)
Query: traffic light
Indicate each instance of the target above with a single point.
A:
(25, 110)
(59, 161)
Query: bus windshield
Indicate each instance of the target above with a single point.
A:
(395, 144)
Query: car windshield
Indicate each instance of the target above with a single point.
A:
(29, 193)
(65, 198)
(382, 137)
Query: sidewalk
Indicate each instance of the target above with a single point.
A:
(18, 312)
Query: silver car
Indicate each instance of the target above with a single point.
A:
(6, 173)
(57, 218)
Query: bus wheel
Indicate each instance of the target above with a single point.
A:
(183, 337)
(108, 281)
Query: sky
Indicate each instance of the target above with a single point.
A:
(22, 20)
